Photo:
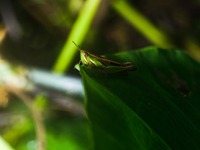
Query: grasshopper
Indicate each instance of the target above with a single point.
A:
(104, 65)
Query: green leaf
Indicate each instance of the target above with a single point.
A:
(77, 66)
(156, 107)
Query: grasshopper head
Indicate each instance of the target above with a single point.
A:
(83, 54)
(82, 51)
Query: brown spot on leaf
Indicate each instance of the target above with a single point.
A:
(177, 83)
(181, 86)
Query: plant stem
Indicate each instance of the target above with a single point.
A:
(141, 23)
(77, 34)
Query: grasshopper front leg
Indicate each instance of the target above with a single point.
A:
(91, 65)
(80, 62)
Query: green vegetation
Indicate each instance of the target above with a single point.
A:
(153, 108)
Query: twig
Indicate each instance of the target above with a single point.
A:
(37, 116)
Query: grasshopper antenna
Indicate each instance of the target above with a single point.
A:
(77, 46)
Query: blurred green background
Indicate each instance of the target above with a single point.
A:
(39, 33)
